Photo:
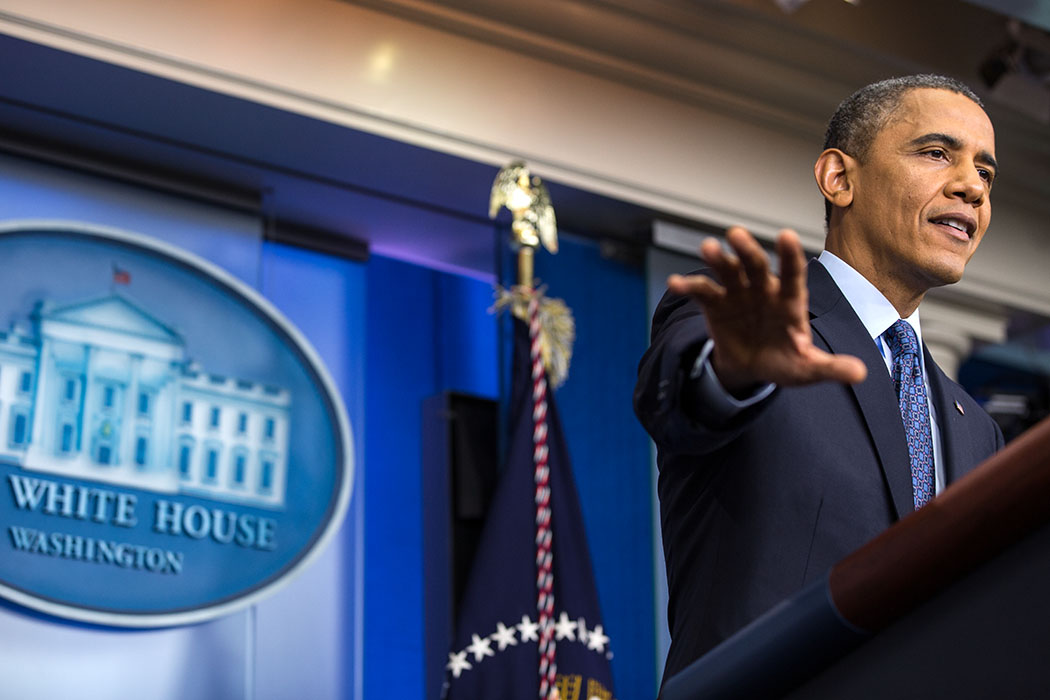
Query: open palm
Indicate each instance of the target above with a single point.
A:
(760, 322)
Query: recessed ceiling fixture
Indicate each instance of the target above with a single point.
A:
(792, 5)
(1017, 71)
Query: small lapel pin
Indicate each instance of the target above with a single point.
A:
(959, 408)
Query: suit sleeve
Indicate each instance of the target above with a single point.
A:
(665, 395)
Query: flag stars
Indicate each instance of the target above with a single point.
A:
(480, 647)
(503, 636)
(565, 628)
(581, 630)
(597, 639)
(457, 663)
(528, 629)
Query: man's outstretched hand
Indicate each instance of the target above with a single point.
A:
(760, 322)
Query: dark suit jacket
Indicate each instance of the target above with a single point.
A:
(755, 509)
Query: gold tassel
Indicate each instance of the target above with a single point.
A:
(557, 327)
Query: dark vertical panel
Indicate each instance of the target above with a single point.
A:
(438, 595)
(459, 476)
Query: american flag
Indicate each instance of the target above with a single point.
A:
(496, 649)
(120, 275)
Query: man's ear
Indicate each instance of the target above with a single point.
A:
(834, 171)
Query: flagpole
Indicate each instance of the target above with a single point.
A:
(526, 258)
(492, 599)
(548, 668)
(533, 223)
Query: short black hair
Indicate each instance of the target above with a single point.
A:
(862, 115)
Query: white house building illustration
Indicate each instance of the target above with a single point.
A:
(102, 390)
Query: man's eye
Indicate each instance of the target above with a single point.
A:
(936, 153)
(986, 175)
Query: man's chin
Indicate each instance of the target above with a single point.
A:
(945, 277)
(946, 270)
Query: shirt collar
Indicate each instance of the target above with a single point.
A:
(875, 311)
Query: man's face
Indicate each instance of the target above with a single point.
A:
(921, 200)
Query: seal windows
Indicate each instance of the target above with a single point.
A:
(66, 441)
(69, 389)
(240, 463)
(144, 404)
(141, 450)
(19, 427)
(185, 459)
(211, 464)
(25, 383)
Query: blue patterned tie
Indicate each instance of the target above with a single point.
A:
(915, 411)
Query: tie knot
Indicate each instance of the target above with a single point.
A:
(902, 339)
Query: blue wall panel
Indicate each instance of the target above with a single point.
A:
(325, 298)
(427, 332)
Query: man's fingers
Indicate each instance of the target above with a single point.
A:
(752, 257)
(699, 287)
(845, 369)
(792, 265)
(770, 308)
(725, 265)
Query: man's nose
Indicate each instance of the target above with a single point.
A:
(968, 185)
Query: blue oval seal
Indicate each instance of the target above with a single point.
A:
(171, 447)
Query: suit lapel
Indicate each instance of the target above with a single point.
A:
(944, 400)
(834, 320)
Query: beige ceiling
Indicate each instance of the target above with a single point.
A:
(755, 61)
(695, 40)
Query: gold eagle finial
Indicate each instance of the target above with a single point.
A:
(530, 204)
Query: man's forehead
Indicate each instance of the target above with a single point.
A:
(934, 110)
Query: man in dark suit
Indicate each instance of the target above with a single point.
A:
(791, 422)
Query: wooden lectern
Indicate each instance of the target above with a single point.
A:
(953, 601)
